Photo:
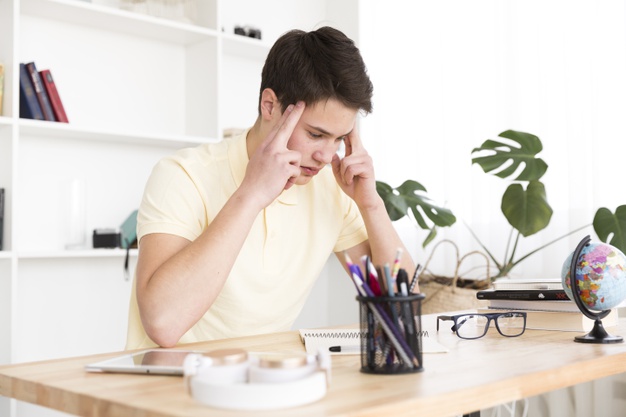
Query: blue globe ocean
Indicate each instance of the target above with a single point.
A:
(601, 276)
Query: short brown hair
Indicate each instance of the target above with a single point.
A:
(316, 66)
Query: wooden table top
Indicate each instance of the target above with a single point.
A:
(473, 375)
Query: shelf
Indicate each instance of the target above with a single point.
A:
(5, 254)
(56, 130)
(73, 254)
(117, 20)
(4, 120)
(246, 47)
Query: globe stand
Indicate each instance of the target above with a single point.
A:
(598, 334)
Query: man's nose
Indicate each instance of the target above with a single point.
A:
(325, 153)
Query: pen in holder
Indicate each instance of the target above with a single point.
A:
(391, 334)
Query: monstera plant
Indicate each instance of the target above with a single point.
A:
(524, 203)
(411, 197)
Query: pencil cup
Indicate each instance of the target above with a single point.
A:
(391, 334)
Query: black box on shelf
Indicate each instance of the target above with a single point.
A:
(106, 238)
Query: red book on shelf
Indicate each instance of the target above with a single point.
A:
(53, 94)
(40, 92)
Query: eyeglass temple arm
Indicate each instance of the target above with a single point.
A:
(443, 318)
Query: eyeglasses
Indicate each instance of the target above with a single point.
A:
(475, 326)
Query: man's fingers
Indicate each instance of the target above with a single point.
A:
(284, 128)
(294, 169)
(353, 142)
(351, 167)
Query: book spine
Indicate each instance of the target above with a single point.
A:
(548, 295)
(1, 218)
(535, 305)
(40, 92)
(527, 287)
(29, 105)
(1, 86)
(53, 94)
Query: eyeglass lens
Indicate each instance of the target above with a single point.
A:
(511, 324)
(471, 326)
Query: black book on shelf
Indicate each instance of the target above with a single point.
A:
(29, 105)
(40, 92)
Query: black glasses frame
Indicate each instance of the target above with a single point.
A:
(489, 317)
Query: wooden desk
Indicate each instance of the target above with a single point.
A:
(475, 374)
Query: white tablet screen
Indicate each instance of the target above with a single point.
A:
(151, 361)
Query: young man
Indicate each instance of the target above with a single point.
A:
(234, 234)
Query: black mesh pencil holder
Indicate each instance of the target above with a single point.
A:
(391, 334)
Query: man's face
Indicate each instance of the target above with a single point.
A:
(318, 135)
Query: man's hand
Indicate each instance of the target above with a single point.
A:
(355, 172)
(273, 167)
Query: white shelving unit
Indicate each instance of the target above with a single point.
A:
(135, 88)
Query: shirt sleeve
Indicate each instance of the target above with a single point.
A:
(171, 203)
(353, 231)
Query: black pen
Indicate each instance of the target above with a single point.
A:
(418, 268)
(409, 325)
(345, 349)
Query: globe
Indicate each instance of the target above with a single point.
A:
(598, 285)
(601, 276)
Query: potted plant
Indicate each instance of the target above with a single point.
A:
(524, 205)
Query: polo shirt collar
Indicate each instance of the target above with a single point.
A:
(238, 156)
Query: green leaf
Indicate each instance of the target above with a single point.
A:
(431, 236)
(411, 197)
(527, 210)
(501, 153)
(606, 224)
(414, 194)
(394, 204)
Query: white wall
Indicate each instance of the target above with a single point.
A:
(448, 75)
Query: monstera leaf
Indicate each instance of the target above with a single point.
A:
(501, 153)
(411, 197)
(606, 224)
(527, 210)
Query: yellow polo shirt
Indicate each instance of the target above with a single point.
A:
(284, 253)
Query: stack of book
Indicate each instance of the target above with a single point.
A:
(39, 97)
(546, 304)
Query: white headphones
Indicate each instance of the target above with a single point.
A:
(241, 380)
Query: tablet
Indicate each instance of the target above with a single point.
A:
(151, 361)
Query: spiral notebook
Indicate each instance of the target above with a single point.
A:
(349, 339)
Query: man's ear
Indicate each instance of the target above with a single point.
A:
(270, 107)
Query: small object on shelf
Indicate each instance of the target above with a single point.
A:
(248, 31)
(129, 231)
(53, 94)
(29, 105)
(40, 92)
(1, 86)
(1, 216)
(106, 238)
(128, 239)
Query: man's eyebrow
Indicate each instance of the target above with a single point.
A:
(325, 132)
